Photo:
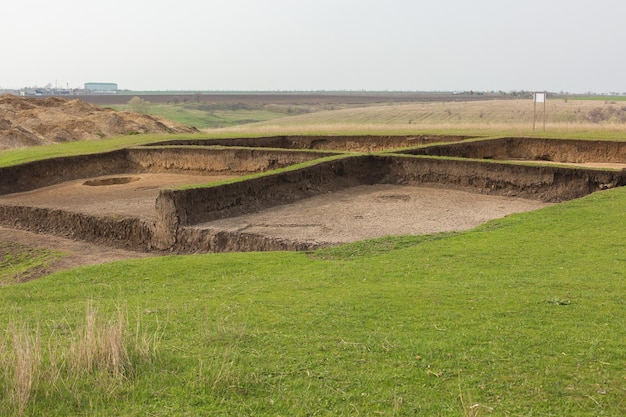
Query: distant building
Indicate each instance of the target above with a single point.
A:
(101, 88)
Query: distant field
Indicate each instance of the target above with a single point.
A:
(485, 117)
(480, 116)
(219, 110)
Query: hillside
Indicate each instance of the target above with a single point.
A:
(34, 121)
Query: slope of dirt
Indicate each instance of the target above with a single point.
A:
(38, 121)
(75, 253)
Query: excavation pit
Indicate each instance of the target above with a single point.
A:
(99, 182)
(601, 154)
(297, 199)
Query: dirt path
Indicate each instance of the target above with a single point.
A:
(78, 253)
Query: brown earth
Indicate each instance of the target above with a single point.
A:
(32, 121)
(122, 201)
(75, 252)
(372, 211)
(357, 213)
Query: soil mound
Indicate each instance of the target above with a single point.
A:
(38, 121)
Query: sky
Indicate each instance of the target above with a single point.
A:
(574, 46)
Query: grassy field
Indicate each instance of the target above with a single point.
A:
(519, 317)
(522, 316)
(504, 116)
(573, 118)
(216, 116)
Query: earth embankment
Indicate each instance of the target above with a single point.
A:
(29, 121)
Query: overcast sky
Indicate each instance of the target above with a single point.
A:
(442, 45)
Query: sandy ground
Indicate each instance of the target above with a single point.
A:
(343, 216)
(371, 211)
(136, 198)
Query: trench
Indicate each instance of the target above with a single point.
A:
(234, 180)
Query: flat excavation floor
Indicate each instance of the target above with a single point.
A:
(372, 211)
(131, 195)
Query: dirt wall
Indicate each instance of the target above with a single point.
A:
(204, 240)
(199, 205)
(180, 211)
(127, 233)
(331, 143)
(557, 150)
(179, 208)
(48, 172)
(38, 174)
(216, 161)
(545, 183)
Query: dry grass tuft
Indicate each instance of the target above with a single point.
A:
(20, 360)
(100, 346)
(98, 350)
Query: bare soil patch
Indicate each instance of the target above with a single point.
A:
(34, 121)
(130, 196)
(76, 252)
(371, 211)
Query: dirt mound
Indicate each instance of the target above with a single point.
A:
(38, 121)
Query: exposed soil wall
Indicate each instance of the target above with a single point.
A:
(178, 212)
(177, 208)
(204, 240)
(211, 160)
(557, 150)
(128, 233)
(48, 172)
(334, 143)
(33, 175)
(199, 205)
(545, 183)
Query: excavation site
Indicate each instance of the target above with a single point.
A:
(298, 192)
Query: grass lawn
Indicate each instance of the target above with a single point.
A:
(520, 317)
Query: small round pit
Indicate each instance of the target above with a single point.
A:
(110, 181)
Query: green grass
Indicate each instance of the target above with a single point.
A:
(20, 263)
(217, 116)
(22, 155)
(522, 316)
(211, 119)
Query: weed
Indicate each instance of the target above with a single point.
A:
(99, 346)
(98, 350)
(20, 360)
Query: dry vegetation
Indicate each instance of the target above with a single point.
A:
(511, 116)
(103, 349)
